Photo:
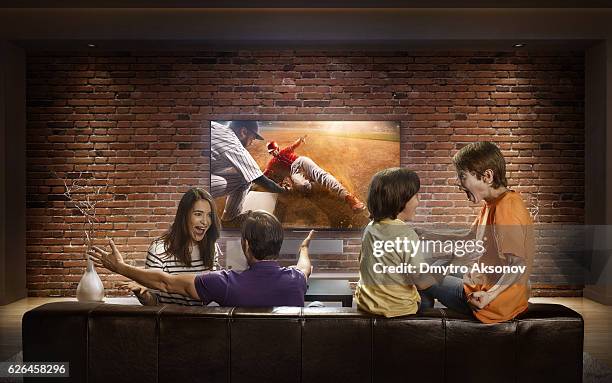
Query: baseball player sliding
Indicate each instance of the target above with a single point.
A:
(302, 171)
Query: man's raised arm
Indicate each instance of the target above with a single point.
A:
(155, 279)
(303, 262)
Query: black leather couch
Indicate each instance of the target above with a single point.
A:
(116, 343)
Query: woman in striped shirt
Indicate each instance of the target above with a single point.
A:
(189, 246)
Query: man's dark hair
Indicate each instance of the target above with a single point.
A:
(480, 156)
(389, 191)
(264, 234)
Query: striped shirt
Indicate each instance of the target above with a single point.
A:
(158, 259)
(228, 156)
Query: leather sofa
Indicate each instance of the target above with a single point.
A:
(118, 343)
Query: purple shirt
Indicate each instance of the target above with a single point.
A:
(263, 284)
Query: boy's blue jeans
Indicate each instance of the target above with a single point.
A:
(449, 292)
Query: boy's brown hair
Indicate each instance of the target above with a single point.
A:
(480, 156)
(389, 191)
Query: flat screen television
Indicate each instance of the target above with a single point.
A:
(308, 153)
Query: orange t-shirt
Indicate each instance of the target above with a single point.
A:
(508, 229)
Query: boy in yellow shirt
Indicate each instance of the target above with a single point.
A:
(505, 227)
(382, 290)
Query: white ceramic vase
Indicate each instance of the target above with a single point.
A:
(90, 288)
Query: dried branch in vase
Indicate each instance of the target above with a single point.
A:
(84, 198)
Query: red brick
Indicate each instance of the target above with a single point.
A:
(106, 114)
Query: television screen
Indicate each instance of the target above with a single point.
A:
(326, 166)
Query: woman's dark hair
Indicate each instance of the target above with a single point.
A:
(264, 234)
(389, 191)
(177, 239)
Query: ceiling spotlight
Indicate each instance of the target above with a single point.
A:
(519, 45)
(91, 45)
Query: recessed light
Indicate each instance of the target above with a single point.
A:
(519, 45)
(91, 45)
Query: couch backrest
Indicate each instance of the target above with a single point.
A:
(117, 343)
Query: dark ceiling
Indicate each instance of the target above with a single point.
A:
(306, 4)
(335, 24)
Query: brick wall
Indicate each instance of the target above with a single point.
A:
(140, 121)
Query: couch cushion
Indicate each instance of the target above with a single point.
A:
(409, 346)
(122, 344)
(265, 345)
(550, 341)
(194, 344)
(57, 332)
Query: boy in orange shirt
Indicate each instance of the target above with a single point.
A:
(505, 227)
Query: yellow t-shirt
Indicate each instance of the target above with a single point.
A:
(389, 293)
(508, 230)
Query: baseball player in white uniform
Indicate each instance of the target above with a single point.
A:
(233, 169)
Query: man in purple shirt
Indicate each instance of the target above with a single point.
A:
(264, 283)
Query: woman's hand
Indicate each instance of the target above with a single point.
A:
(133, 287)
(110, 260)
(145, 297)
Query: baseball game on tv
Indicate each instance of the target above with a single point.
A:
(323, 168)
